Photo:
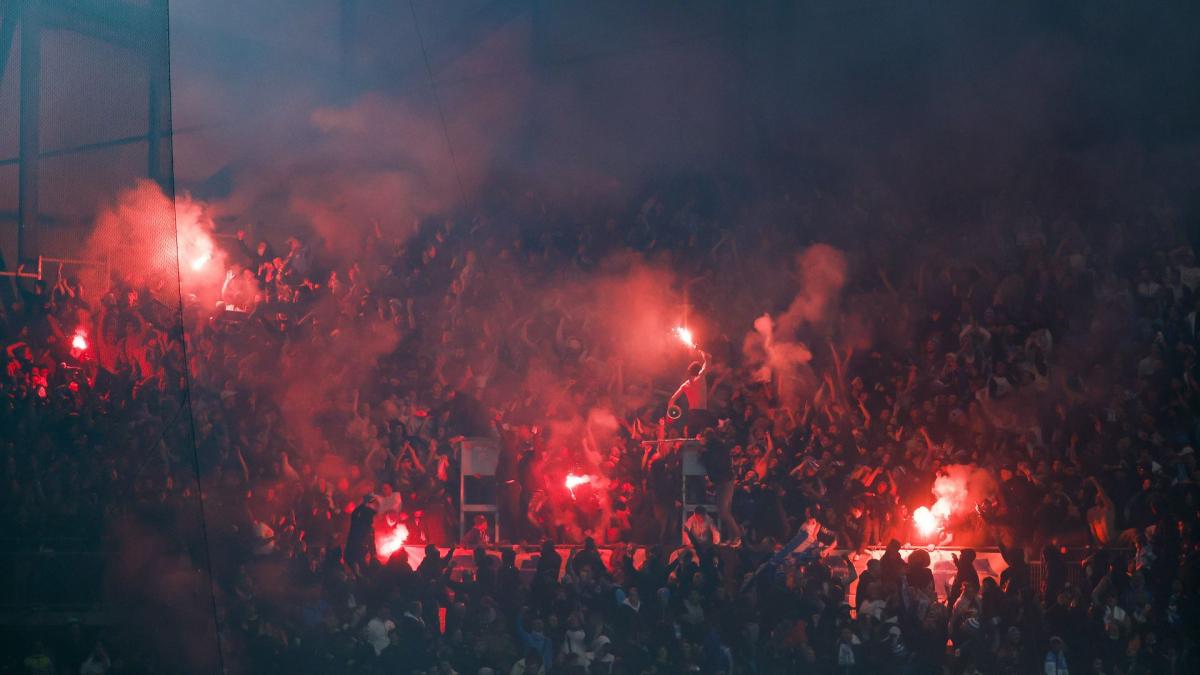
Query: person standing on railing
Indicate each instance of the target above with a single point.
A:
(719, 465)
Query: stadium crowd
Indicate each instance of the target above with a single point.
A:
(1059, 362)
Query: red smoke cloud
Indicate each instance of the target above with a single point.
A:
(958, 488)
(821, 271)
(775, 344)
(154, 241)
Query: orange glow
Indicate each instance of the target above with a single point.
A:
(685, 336)
(79, 340)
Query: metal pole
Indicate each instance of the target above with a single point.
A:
(27, 189)
(8, 29)
(347, 22)
(158, 132)
(71, 261)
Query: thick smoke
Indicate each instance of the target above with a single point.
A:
(157, 584)
(383, 156)
(776, 344)
(379, 161)
(612, 329)
(317, 378)
(151, 242)
(821, 274)
(343, 167)
(959, 487)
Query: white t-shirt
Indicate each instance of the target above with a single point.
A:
(95, 666)
(1115, 614)
(376, 633)
(846, 651)
(390, 503)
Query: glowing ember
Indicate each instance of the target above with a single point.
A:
(200, 260)
(927, 523)
(79, 340)
(685, 336)
(389, 539)
(574, 481)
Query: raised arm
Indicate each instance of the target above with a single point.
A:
(417, 464)
(1104, 498)
(852, 573)
(524, 635)
(678, 392)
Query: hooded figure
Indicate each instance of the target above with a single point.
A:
(360, 541)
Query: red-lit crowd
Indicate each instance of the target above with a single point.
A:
(1058, 360)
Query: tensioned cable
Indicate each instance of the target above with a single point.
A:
(437, 102)
(169, 188)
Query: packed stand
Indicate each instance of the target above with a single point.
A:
(1061, 364)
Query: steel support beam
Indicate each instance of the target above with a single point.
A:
(8, 28)
(160, 161)
(100, 145)
(118, 23)
(29, 146)
(347, 37)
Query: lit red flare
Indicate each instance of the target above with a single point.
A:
(389, 538)
(79, 340)
(201, 260)
(933, 520)
(574, 481)
(927, 523)
(685, 336)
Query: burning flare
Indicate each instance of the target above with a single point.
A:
(927, 523)
(952, 494)
(574, 481)
(200, 260)
(79, 340)
(685, 336)
(389, 539)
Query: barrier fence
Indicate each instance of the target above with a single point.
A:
(74, 580)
